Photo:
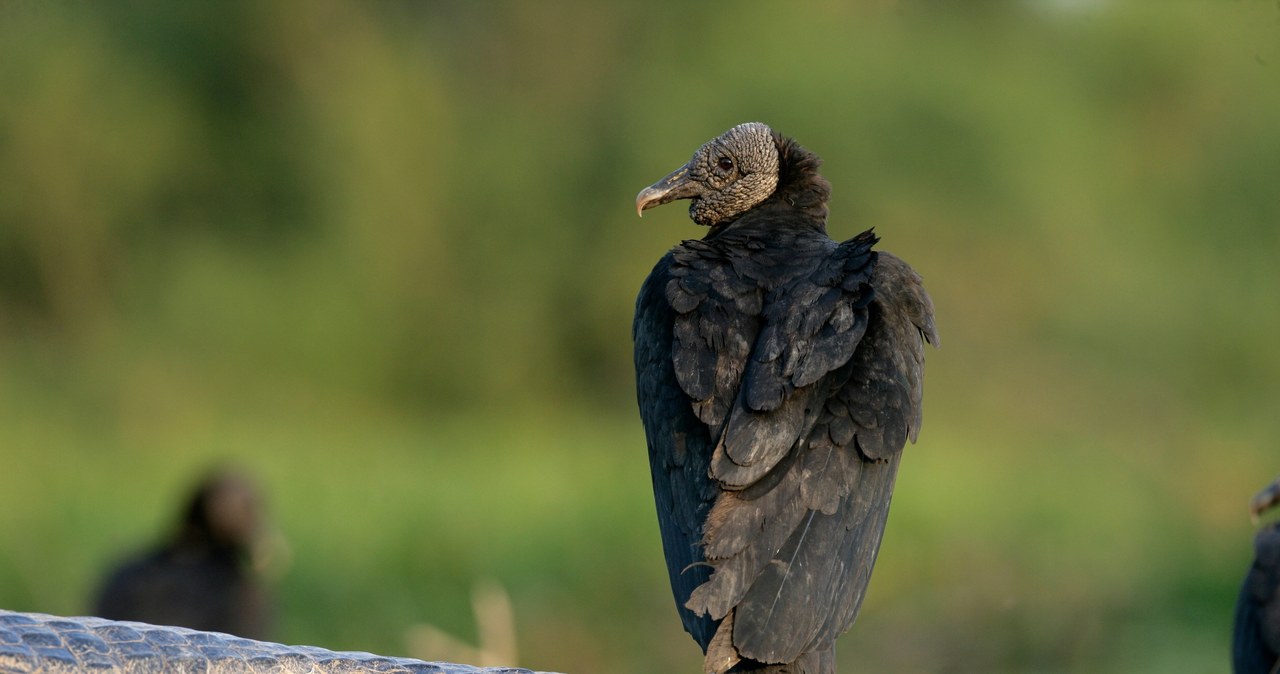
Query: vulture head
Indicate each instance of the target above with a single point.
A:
(1265, 500)
(726, 176)
(223, 514)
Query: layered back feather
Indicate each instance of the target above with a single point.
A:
(779, 374)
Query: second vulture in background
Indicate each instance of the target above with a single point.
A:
(202, 575)
(1256, 646)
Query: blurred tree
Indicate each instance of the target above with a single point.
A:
(367, 242)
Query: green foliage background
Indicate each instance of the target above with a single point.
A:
(383, 255)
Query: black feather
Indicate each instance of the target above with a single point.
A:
(1256, 640)
(779, 375)
(201, 577)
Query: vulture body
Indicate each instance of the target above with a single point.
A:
(201, 577)
(779, 375)
(1256, 644)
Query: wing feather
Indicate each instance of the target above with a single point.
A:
(785, 411)
(793, 565)
(679, 447)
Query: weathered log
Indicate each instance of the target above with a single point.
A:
(35, 642)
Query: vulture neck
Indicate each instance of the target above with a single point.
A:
(799, 201)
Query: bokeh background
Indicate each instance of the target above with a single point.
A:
(383, 256)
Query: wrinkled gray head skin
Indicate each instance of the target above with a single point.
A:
(726, 176)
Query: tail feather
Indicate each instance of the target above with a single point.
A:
(723, 658)
(820, 662)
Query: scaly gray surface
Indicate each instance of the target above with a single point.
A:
(34, 642)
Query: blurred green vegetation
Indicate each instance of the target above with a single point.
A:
(383, 255)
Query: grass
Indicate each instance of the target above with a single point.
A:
(1005, 553)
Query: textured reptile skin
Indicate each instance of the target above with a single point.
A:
(34, 642)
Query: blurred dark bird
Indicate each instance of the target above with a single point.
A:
(779, 376)
(1256, 644)
(202, 577)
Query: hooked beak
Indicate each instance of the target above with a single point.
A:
(676, 185)
(1264, 500)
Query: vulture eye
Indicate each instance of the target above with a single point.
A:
(724, 163)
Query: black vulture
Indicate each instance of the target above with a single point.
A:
(779, 375)
(201, 576)
(1257, 631)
